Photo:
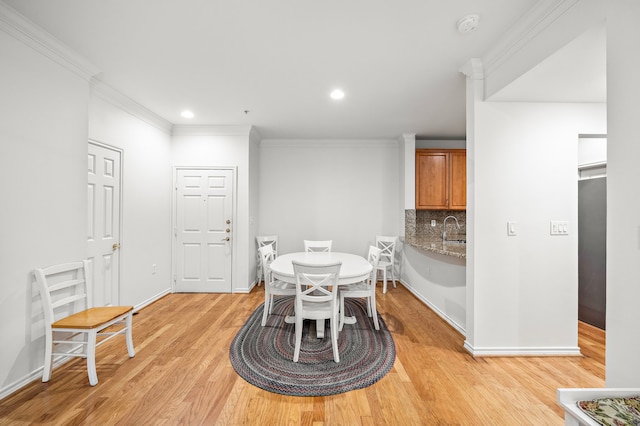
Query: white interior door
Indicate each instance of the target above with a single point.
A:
(203, 230)
(103, 236)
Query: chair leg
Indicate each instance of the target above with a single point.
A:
(91, 357)
(48, 354)
(129, 335)
(267, 306)
(374, 310)
(341, 313)
(393, 276)
(296, 351)
(384, 280)
(334, 337)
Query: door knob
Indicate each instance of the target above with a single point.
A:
(228, 230)
(226, 239)
(228, 221)
(115, 246)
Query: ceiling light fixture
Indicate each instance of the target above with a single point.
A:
(468, 23)
(337, 94)
(187, 114)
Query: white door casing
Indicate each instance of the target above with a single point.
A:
(103, 233)
(203, 226)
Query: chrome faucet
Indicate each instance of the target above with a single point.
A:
(444, 226)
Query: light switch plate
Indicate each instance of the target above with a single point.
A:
(559, 227)
(512, 228)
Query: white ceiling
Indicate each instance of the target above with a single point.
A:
(398, 62)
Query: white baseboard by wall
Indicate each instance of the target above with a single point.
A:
(520, 351)
(37, 373)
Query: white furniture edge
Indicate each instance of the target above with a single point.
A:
(574, 416)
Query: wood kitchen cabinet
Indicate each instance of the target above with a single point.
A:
(441, 179)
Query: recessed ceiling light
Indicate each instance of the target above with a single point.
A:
(186, 114)
(468, 23)
(337, 94)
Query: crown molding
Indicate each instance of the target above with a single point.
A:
(125, 103)
(38, 39)
(330, 143)
(473, 69)
(211, 130)
(540, 17)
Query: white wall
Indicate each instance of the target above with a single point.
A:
(345, 191)
(146, 199)
(526, 286)
(43, 170)
(439, 281)
(207, 146)
(623, 203)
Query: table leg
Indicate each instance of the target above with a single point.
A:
(320, 329)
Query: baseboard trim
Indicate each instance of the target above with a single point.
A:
(518, 351)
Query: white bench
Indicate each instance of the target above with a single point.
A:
(573, 415)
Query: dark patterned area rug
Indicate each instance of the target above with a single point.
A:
(263, 356)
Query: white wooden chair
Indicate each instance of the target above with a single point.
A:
(71, 322)
(387, 258)
(318, 245)
(263, 240)
(272, 287)
(363, 289)
(317, 299)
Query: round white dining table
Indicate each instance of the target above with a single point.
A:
(354, 269)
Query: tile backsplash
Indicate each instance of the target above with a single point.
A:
(418, 222)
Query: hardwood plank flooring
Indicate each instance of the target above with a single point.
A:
(181, 374)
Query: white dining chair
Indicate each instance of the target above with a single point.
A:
(272, 287)
(365, 289)
(263, 240)
(387, 258)
(73, 328)
(324, 245)
(317, 299)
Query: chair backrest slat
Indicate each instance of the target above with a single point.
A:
(324, 245)
(67, 300)
(267, 255)
(65, 284)
(316, 283)
(374, 258)
(263, 240)
(64, 289)
(387, 245)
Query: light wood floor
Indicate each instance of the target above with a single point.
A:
(181, 374)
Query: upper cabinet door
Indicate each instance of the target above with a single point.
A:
(458, 182)
(432, 176)
(441, 182)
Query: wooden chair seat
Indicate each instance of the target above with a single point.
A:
(92, 317)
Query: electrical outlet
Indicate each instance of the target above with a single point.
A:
(433, 223)
(559, 227)
(154, 269)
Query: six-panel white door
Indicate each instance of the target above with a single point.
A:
(103, 233)
(203, 232)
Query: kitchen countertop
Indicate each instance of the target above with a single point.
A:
(429, 244)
